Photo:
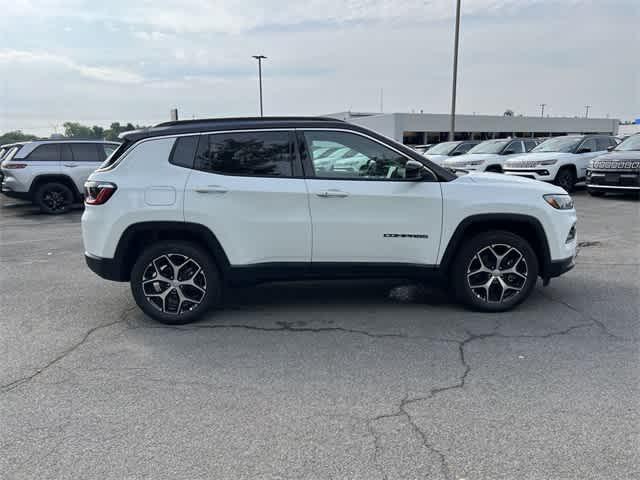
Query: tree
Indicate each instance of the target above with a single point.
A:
(15, 136)
(508, 113)
(76, 130)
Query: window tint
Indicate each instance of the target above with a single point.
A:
(465, 147)
(47, 152)
(602, 143)
(529, 145)
(588, 145)
(184, 151)
(108, 148)
(353, 157)
(251, 153)
(85, 152)
(515, 147)
(65, 152)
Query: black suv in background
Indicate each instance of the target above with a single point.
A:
(617, 171)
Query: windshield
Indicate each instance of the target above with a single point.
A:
(631, 143)
(491, 146)
(442, 148)
(559, 144)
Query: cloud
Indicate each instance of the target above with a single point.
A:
(104, 74)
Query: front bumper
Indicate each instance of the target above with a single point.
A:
(541, 174)
(558, 267)
(613, 180)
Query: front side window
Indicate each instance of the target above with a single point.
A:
(260, 153)
(355, 157)
(85, 152)
(489, 147)
(515, 147)
(46, 153)
(558, 144)
(465, 147)
(588, 146)
(603, 143)
(529, 145)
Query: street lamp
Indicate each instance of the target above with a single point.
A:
(542, 105)
(452, 129)
(260, 58)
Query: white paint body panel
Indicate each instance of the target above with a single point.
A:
(523, 164)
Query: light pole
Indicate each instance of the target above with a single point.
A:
(452, 129)
(542, 105)
(586, 111)
(260, 58)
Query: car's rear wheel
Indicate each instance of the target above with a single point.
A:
(596, 193)
(566, 178)
(175, 282)
(54, 198)
(495, 271)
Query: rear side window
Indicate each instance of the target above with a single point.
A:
(85, 152)
(588, 145)
(184, 151)
(45, 153)
(603, 143)
(264, 154)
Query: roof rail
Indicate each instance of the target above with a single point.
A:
(241, 119)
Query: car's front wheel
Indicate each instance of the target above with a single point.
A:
(566, 178)
(495, 271)
(175, 282)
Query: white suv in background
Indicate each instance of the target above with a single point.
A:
(184, 208)
(442, 151)
(51, 173)
(490, 155)
(561, 160)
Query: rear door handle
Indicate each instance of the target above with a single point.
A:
(210, 189)
(332, 194)
(70, 165)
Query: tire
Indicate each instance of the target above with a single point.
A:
(566, 178)
(596, 193)
(171, 303)
(54, 198)
(485, 289)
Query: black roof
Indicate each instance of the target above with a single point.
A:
(213, 124)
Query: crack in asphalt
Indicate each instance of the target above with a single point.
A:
(594, 321)
(7, 387)
(460, 384)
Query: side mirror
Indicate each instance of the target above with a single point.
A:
(610, 148)
(414, 170)
(508, 152)
(455, 154)
(584, 150)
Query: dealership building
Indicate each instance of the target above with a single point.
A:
(423, 128)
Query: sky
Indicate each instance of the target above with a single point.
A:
(132, 61)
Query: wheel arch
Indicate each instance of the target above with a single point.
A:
(140, 235)
(526, 226)
(54, 177)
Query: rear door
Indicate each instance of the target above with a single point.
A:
(362, 207)
(248, 188)
(80, 159)
(42, 160)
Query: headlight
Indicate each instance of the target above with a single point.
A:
(559, 201)
(548, 162)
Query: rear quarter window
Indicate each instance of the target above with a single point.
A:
(184, 151)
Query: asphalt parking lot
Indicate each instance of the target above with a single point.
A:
(358, 380)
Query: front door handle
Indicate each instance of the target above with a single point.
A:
(71, 165)
(333, 194)
(210, 189)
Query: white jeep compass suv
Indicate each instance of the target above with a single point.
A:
(490, 155)
(183, 208)
(51, 173)
(561, 160)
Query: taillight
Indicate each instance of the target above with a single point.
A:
(16, 166)
(97, 193)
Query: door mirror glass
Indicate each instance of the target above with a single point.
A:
(610, 148)
(455, 154)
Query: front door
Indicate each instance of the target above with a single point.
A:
(362, 207)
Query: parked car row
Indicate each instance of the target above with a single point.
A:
(561, 160)
(51, 173)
